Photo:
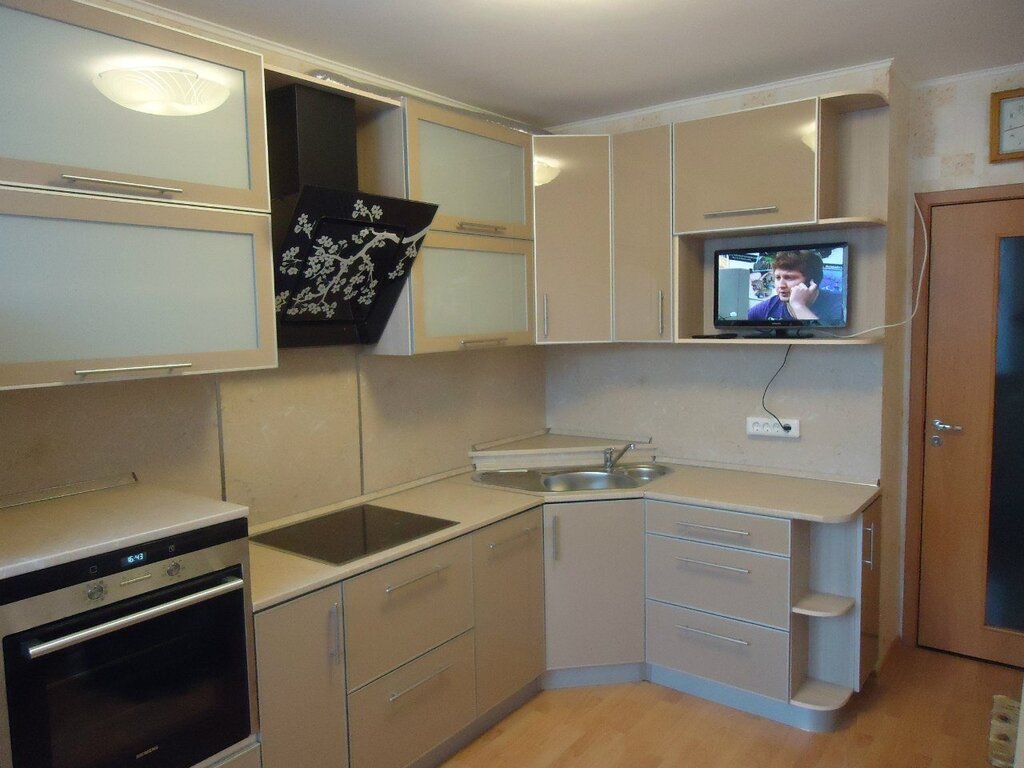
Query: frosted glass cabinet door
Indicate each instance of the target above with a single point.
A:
(479, 173)
(472, 292)
(95, 290)
(57, 123)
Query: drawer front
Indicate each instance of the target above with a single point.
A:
(743, 585)
(717, 526)
(395, 613)
(732, 652)
(410, 711)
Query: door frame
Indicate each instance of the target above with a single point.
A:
(916, 420)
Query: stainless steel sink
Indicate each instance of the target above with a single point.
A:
(569, 479)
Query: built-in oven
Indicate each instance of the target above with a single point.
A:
(142, 656)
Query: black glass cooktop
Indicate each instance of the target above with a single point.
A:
(349, 534)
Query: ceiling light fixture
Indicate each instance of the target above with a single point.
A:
(161, 90)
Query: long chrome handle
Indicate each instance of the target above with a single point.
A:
(661, 313)
(712, 634)
(505, 542)
(741, 211)
(120, 183)
(732, 531)
(432, 572)
(336, 655)
(870, 562)
(473, 226)
(75, 638)
(495, 342)
(940, 426)
(545, 315)
(554, 537)
(126, 368)
(392, 698)
(713, 565)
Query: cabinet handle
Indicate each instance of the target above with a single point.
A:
(732, 531)
(545, 315)
(124, 369)
(661, 313)
(392, 698)
(713, 565)
(741, 211)
(870, 562)
(432, 572)
(554, 537)
(712, 634)
(336, 633)
(473, 226)
(119, 183)
(495, 342)
(510, 539)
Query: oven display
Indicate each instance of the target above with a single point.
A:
(135, 558)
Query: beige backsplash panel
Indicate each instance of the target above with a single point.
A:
(165, 431)
(422, 414)
(291, 435)
(694, 403)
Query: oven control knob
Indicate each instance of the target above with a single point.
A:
(96, 591)
(173, 569)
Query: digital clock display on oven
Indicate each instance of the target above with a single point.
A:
(135, 558)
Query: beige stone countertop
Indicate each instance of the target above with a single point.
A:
(41, 534)
(278, 576)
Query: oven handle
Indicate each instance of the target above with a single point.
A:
(52, 646)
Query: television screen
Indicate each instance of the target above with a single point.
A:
(782, 286)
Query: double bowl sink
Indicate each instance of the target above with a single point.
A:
(569, 479)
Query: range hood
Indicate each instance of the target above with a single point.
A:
(341, 257)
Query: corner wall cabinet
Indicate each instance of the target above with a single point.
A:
(480, 173)
(65, 63)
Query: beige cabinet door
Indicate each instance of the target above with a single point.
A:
(301, 679)
(478, 172)
(572, 240)
(508, 575)
(748, 169)
(642, 217)
(594, 583)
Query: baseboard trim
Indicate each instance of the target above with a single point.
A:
(576, 677)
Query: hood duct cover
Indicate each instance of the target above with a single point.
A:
(343, 264)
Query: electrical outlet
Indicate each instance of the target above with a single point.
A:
(766, 426)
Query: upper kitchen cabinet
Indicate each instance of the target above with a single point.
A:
(642, 225)
(573, 239)
(478, 172)
(98, 102)
(755, 168)
(95, 289)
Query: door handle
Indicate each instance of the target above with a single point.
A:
(941, 426)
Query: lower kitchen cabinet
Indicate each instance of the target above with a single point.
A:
(508, 575)
(301, 682)
(594, 583)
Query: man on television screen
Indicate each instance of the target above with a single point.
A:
(797, 276)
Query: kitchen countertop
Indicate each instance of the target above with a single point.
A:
(45, 533)
(278, 576)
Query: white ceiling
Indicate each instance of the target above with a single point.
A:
(550, 62)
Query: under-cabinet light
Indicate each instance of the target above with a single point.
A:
(161, 90)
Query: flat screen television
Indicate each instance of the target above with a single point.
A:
(778, 290)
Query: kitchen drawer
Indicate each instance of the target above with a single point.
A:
(718, 526)
(410, 711)
(743, 585)
(397, 612)
(732, 652)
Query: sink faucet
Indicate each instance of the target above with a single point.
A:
(611, 456)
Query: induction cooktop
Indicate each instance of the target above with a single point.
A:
(348, 534)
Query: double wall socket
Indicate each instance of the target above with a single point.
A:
(766, 426)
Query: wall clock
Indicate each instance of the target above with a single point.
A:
(1006, 126)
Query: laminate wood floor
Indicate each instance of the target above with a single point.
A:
(924, 710)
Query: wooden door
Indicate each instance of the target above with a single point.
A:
(972, 588)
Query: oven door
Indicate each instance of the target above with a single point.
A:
(157, 681)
